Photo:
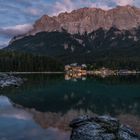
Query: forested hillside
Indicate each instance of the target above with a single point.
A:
(112, 48)
(24, 62)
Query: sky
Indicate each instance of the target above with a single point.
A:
(18, 16)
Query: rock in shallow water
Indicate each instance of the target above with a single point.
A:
(9, 80)
(100, 128)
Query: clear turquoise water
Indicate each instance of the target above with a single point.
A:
(49, 102)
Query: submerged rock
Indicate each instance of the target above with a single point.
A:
(9, 80)
(101, 128)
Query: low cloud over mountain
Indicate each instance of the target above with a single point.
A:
(15, 30)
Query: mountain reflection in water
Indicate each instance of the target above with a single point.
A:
(51, 102)
(18, 124)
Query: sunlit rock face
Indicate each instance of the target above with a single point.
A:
(89, 19)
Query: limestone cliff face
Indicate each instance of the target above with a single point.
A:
(90, 19)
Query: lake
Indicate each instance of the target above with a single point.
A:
(44, 105)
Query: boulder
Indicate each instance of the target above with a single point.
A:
(100, 128)
(9, 80)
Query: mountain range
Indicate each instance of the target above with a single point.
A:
(86, 35)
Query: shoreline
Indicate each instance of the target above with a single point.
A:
(32, 72)
(101, 73)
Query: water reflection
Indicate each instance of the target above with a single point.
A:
(75, 77)
(18, 124)
(54, 94)
(50, 102)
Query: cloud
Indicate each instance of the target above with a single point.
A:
(27, 11)
(124, 2)
(8, 111)
(33, 11)
(69, 5)
(15, 30)
(3, 44)
(6, 33)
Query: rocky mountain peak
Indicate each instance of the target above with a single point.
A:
(90, 19)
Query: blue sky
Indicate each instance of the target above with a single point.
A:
(17, 16)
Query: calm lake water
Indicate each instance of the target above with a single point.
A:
(43, 106)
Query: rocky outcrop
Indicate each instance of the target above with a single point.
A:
(89, 19)
(101, 128)
(9, 80)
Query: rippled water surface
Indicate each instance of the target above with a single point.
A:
(44, 105)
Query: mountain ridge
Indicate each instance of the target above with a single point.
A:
(89, 19)
(110, 46)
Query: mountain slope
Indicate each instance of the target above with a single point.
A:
(88, 48)
(24, 62)
(88, 35)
